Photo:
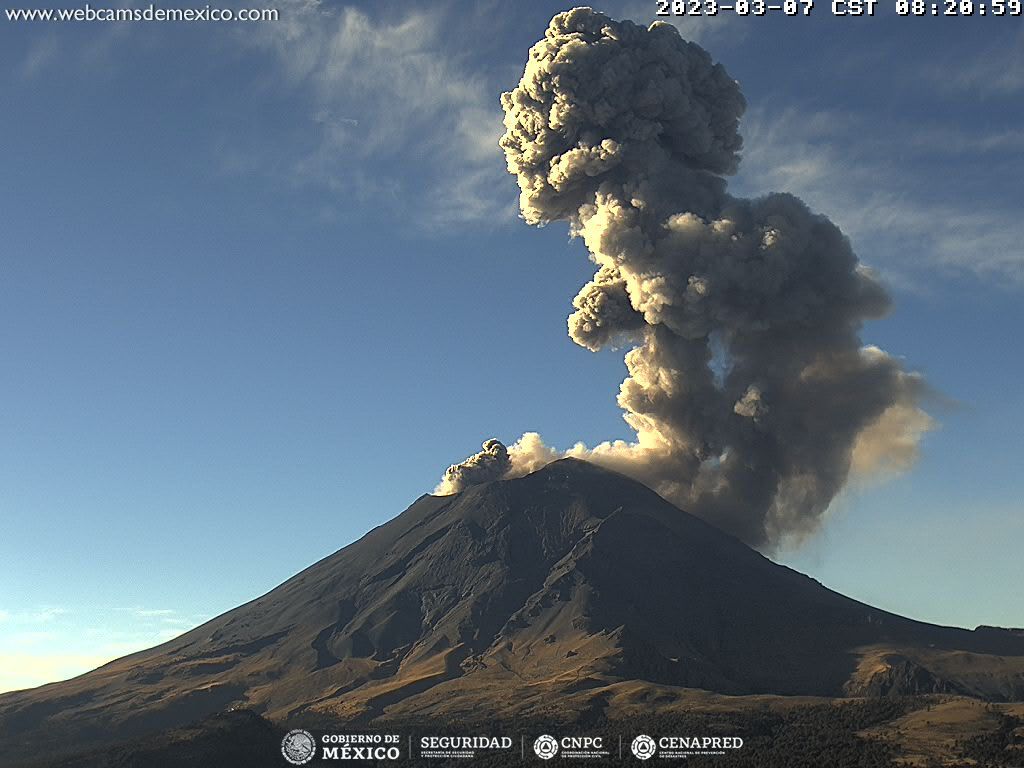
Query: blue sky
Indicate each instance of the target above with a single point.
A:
(261, 284)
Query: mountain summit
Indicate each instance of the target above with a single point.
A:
(519, 597)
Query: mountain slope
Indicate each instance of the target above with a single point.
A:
(496, 600)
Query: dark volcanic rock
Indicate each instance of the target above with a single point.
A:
(237, 739)
(565, 583)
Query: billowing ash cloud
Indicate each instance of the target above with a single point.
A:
(749, 390)
(491, 463)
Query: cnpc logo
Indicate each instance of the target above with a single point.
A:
(547, 747)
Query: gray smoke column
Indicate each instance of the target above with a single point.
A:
(749, 390)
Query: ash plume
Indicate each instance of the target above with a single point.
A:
(749, 390)
(489, 464)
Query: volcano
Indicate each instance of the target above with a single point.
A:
(572, 587)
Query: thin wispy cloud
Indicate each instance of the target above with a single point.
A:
(22, 639)
(24, 623)
(997, 71)
(167, 618)
(52, 50)
(31, 659)
(34, 645)
(27, 670)
(394, 108)
(861, 180)
(950, 140)
(42, 615)
(158, 612)
(42, 52)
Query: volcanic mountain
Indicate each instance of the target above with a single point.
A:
(571, 587)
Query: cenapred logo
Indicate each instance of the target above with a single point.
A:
(546, 747)
(298, 746)
(643, 747)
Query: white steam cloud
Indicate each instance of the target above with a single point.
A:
(749, 390)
